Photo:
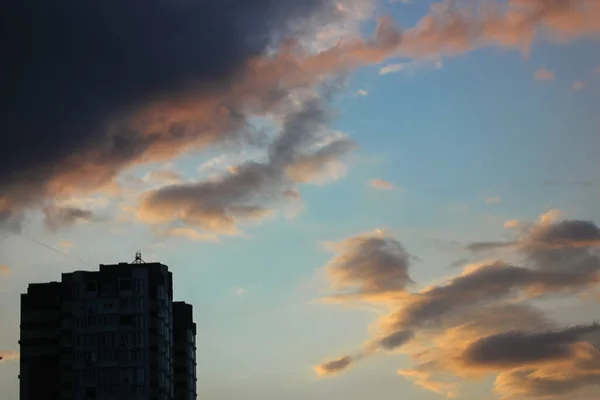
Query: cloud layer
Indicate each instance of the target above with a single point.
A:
(300, 153)
(150, 90)
(104, 85)
(481, 321)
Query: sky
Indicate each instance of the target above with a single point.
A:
(360, 198)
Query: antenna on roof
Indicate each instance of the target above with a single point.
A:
(138, 258)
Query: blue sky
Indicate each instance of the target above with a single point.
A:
(464, 146)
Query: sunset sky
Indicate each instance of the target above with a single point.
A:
(393, 199)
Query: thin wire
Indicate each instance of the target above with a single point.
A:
(55, 250)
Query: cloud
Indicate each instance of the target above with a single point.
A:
(362, 92)
(135, 92)
(477, 247)
(578, 379)
(322, 165)
(368, 266)
(380, 184)
(578, 85)
(217, 205)
(66, 245)
(411, 66)
(550, 216)
(9, 355)
(86, 203)
(4, 270)
(56, 218)
(491, 200)
(480, 321)
(164, 177)
(300, 153)
(142, 106)
(515, 349)
(189, 233)
(547, 238)
(391, 68)
(395, 340)
(543, 74)
(480, 286)
(333, 367)
(512, 223)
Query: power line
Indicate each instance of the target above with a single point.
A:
(54, 249)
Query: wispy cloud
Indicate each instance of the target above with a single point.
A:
(544, 74)
(512, 223)
(66, 245)
(188, 233)
(9, 356)
(491, 200)
(380, 184)
(411, 66)
(362, 92)
(578, 85)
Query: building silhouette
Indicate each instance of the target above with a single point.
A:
(110, 334)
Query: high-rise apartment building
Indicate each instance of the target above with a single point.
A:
(109, 334)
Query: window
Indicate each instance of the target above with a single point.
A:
(140, 376)
(128, 375)
(126, 319)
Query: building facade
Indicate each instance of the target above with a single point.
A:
(184, 351)
(107, 335)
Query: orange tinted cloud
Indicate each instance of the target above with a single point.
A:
(477, 323)
(370, 266)
(380, 184)
(543, 74)
(333, 367)
(511, 223)
(4, 270)
(203, 118)
(9, 355)
(303, 151)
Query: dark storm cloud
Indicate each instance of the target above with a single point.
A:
(74, 71)
(515, 348)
